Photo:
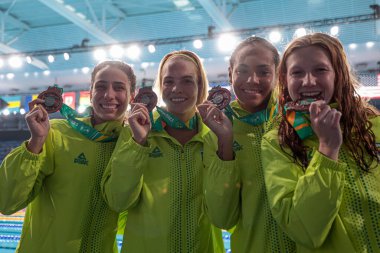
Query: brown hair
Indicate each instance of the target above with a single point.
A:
(192, 57)
(251, 41)
(120, 65)
(356, 127)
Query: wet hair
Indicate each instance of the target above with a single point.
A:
(191, 57)
(252, 41)
(117, 64)
(357, 131)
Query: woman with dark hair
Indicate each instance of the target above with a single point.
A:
(234, 185)
(57, 173)
(322, 163)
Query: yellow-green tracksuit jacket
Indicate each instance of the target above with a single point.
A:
(333, 206)
(61, 189)
(161, 187)
(236, 196)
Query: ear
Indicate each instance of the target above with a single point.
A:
(230, 75)
(91, 94)
(131, 97)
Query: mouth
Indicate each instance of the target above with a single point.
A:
(311, 95)
(252, 91)
(177, 100)
(305, 100)
(109, 106)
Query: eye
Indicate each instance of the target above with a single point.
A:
(241, 71)
(120, 88)
(100, 87)
(296, 73)
(265, 73)
(322, 70)
(189, 81)
(167, 82)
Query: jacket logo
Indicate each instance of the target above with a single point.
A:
(236, 146)
(156, 153)
(81, 159)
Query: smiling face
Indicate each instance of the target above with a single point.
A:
(310, 74)
(110, 94)
(180, 87)
(253, 77)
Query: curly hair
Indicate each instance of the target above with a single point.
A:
(357, 131)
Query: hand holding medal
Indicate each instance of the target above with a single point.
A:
(140, 116)
(51, 99)
(212, 114)
(37, 118)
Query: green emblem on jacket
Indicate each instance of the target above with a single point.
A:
(81, 159)
(155, 153)
(236, 146)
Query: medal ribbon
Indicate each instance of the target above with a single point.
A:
(300, 121)
(167, 118)
(253, 119)
(86, 130)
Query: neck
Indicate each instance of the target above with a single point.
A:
(255, 109)
(96, 121)
(185, 116)
(181, 135)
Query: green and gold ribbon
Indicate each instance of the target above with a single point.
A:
(81, 127)
(167, 118)
(300, 121)
(253, 119)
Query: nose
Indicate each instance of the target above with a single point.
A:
(110, 93)
(309, 80)
(176, 88)
(253, 78)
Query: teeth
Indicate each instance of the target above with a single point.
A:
(109, 106)
(252, 91)
(177, 99)
(310, 94)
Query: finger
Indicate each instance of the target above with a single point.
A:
(202, 109)
(140, 116)
(136, 106)
(214, 115)
(45, 114)
(316, 107)
(36, 115)
(328, 119)
(324, 111)
(336, 118)
(31, 105)
(313, 109)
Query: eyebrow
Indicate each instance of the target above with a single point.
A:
(182, 77)
(258, 66)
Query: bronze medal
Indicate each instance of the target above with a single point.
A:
(220, 97)
(53, 99)
(146, 96)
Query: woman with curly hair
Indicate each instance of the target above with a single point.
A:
(321, 165)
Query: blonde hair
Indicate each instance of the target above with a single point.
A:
(191, 57)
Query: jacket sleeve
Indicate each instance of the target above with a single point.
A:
(221, 187)
(305, 204)
(21, 177)
(123, 178)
